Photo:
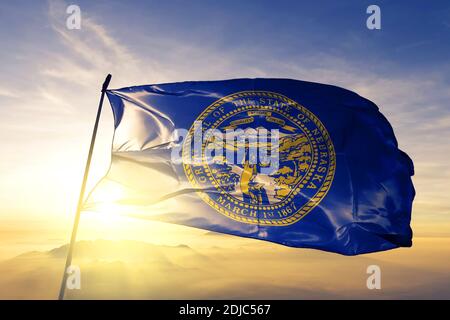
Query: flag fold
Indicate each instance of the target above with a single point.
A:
(292, 162)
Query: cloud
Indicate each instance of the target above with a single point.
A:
(87, 53)
(56, 109)
(253, 270)
(8, 93)
(414, 103)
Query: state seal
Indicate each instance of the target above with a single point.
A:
(250, 187)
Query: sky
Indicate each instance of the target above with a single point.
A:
(50, 78)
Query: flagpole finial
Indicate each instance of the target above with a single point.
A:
(106, 83)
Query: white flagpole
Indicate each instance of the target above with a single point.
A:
(82, 191)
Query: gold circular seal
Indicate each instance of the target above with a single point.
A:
(255, 192)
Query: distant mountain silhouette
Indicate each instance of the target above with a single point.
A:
(252, 270)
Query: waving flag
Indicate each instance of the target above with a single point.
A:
(292, 162)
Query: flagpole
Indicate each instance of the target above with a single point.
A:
(82, 190)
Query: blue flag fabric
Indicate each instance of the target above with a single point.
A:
(333, 178)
